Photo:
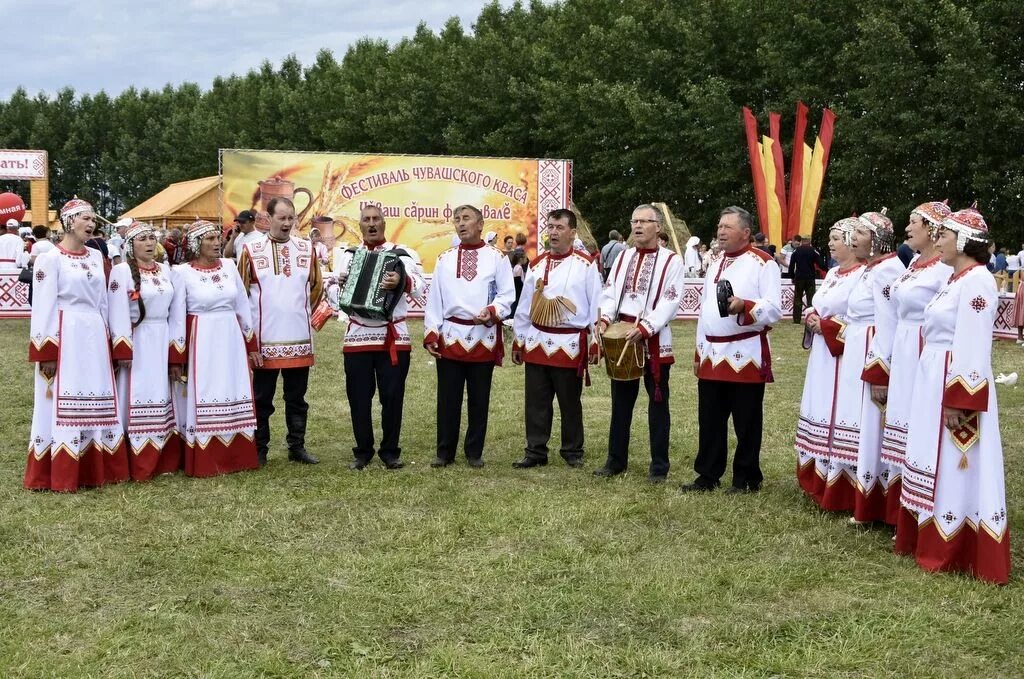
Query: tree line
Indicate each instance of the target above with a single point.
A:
(643, 95)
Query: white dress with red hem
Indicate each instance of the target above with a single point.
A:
(76, 438)
(217, 418)
(954, 480)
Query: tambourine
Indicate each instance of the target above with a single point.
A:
(724, 291)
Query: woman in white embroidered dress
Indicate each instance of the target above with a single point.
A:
(910, 293)
(218, 421)
(76, 438)
(871, 497)
(146, 338)
(954, 477)
(825, 322)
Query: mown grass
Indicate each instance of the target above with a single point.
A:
(296, 571)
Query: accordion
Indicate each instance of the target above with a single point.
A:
(362, 295)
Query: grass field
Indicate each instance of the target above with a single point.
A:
(296, 571)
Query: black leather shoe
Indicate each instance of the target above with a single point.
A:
(302, 457)
(695, 487)
(655, 479)
(394, 464)
(438, 462)
(261, 457)
(575, 462)
(475, 462)
(528, 462)
(733, 490)
(357, 465)
(607, 472)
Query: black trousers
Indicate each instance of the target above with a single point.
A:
(716, 401)
(264, 386)
(659, 422)
(545, 383)
(454, 377)
(367, 373)
(802, 289)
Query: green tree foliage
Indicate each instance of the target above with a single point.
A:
(643, 95)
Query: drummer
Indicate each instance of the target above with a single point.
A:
(558, 306)
(733, 360)
(643, 289)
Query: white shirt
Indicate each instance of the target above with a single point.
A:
(11, 247)
(244, 239)
(1012, 262)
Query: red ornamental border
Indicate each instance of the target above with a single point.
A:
(14, 303)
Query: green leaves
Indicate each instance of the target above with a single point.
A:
(644, 96)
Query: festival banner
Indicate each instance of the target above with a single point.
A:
(417, 194)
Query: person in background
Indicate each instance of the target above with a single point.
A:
(43, 243)
(244, 231)
(610, 251)
(785, 254)
(803, 269)
(1000, 267)
(761, 243)
(175, 254)
(11, 246)
(117, 238)
(319, 249)
(510, 245)
(519, 269)
(1012, 266)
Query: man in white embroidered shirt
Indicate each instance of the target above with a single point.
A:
(377, 352)
(284, 284)
(472, 291)
(732, 360)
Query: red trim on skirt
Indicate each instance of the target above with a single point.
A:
(221, 458)
(63, 473)
(151, 461)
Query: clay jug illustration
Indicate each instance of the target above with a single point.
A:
(278, 187)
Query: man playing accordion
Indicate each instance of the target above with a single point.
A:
(377, 351)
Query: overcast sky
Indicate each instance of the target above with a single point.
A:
(110, 45)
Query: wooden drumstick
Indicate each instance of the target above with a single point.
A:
(618, 363)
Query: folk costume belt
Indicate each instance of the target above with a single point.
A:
(390, 337)
(499, 341)
(583, 363)
(766, 354)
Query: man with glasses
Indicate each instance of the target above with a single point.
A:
(644, 288)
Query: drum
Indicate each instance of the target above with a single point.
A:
(624, 360)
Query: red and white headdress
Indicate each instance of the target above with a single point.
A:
(75, 206)
(135, 229)
(968, 225)
(933, 212)
(846, 227)
(194, 235)
(883, 235)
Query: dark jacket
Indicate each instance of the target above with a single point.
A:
(804, 263)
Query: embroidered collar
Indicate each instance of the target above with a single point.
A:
(552, 255)
(851, 269)
(374, 247)
(918, 265)
(746, 248)
(477, 246)
(646, 251)
(76, 253)
(880, 260)
(958, 276)
(155, 268)
(199, 267)
(278, 242)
